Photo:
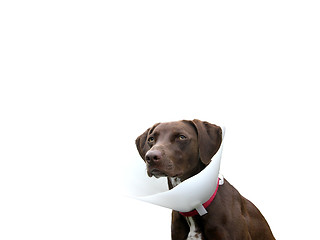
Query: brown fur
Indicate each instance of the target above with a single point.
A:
(182, 149)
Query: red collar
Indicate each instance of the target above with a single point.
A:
(205, 205)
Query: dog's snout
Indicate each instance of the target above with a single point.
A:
(153, 156)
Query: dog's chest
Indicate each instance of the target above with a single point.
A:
(193, 233)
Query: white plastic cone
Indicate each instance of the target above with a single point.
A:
(193, 192)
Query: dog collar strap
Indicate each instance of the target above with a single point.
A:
(205, 205)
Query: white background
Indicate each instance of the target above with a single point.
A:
(80, 80)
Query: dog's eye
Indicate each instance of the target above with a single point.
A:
(151, 139)
(182, 137)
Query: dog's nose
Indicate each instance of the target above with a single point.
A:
(153, 156)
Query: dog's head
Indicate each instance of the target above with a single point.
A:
(178, 149)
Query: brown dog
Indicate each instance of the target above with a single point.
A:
(179, 150)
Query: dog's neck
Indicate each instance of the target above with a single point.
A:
(173, 181)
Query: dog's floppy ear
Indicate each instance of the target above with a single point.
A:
(209, 139)
(141, 141)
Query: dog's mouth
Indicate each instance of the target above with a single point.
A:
(157, 173)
